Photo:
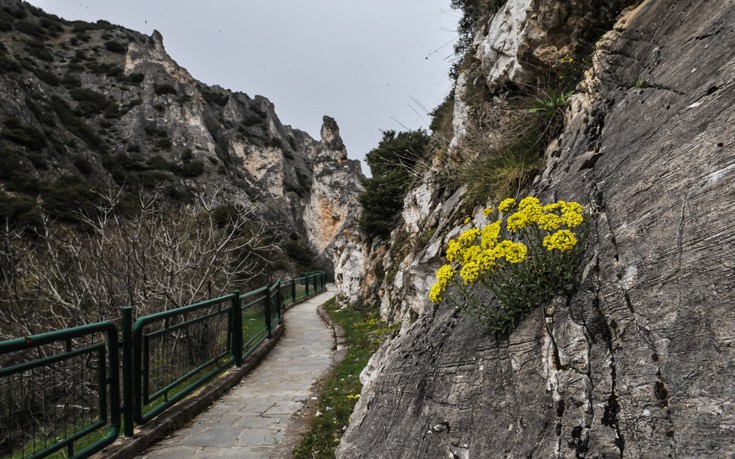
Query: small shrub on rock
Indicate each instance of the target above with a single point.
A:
(521, 259)
(162, 89)
(116, 47)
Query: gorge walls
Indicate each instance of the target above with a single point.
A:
(639, 361)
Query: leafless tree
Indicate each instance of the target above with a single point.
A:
(160, 258)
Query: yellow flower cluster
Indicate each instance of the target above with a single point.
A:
(443, 277)
(456, 248)
(550, 217)
(563, 240)
(506, 205)
(491, 235)
(477, 253)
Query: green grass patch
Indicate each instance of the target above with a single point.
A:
(364, 333)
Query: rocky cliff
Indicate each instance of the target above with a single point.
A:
(638, 362)
(96, 106)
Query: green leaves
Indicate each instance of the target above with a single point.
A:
(551, 103)
(391, 164)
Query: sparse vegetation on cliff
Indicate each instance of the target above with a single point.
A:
(520, 259)
(392, 163)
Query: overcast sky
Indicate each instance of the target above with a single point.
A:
(372, 65)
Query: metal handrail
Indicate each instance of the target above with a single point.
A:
(107, 380)
(226, 329)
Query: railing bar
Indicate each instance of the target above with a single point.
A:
(188, 375)
(184, 324)
(144, 320)
(145, 367)
(180, 395)
(255, 301)
(255, 345)
(63, 442)
(102, 394)
(4, 372)
(19, 344)
(253, 292)
(263, 331)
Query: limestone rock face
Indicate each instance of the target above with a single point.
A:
(639, 362)
(349, 265)
(333, 200)
(526, 33)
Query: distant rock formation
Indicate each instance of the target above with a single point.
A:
(639, 362)
(111, 108)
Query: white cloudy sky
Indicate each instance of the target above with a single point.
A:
(371, 65)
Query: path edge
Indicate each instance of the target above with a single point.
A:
(301, 421)
(169, 422)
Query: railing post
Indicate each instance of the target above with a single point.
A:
(236, 328)
(267, 307)
(316, 287)
(306, 285)
(279, 302)
(127, 370)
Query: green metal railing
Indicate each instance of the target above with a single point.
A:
(59, 391)
(177, 351)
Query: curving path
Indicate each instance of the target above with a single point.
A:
(252, 418)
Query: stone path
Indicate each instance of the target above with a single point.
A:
(252, 418)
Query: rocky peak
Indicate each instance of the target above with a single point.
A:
(337, 182)
(331, 139)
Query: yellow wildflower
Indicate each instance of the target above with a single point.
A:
(486, 261)
(490, 234)
(571, 206)
(528, 201)
(470, 272)
(436, 294)
(467, 220)
(468, 238)
(488, 211)
(517, 221)
(549, 222)
(516, 253)
(563, 240)
(506, 205)
(571, 219)
(470, 254)
(453, 250)
(501, 249)
(554, 206)
(533, 212)
(444, 275)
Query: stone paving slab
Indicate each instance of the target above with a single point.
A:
(251, 420)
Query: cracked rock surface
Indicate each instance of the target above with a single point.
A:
(640, 361)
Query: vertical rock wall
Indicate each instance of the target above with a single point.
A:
(640, 361)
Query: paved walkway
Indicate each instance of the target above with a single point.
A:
(252, 418)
